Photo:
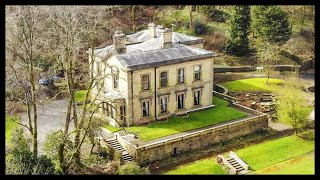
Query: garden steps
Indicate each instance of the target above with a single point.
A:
(233, 164)
(114, 143)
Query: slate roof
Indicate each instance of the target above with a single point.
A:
(143, 52)
(176, 54)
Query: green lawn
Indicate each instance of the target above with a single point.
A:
(303, 164)
(10, 125)
(205, 166)
(80, 95)
(262, 156)
(271, 152)
(253, 84)
(112, 128)
(220, 113)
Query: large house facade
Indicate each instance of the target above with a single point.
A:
(152, 75)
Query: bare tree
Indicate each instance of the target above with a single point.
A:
(267, 55)
(75, 28)
(24, 44)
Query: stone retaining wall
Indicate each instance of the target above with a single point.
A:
(224, 96)
(164, 149)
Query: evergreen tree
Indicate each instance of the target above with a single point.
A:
(271, 23)
(238, 43)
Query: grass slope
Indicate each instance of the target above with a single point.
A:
(221, 113)
(80, 95)
(206, 166)
(10, 125)
(253, 84)
(303, 164)
(288, 152)
(271, 152)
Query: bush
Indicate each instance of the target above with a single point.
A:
(51, 148)
(199, 28)
(132, 168)
(20, 160)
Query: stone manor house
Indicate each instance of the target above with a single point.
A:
(151, 75)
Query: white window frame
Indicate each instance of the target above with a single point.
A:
(145, 83)
(180, 99)
(162, 79)
(197, 73)
(145, 107)
(196, 95)
(181, 75)
(115, 80)
(164, 104)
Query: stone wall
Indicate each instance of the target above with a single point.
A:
(246, 109)
(163, 149)
(224, 96)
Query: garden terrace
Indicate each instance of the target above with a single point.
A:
(219, 114)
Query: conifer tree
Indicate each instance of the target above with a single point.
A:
(238, 43)
(271, 23)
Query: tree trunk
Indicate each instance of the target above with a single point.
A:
(34, 105)
(191, 19)
(133, 11)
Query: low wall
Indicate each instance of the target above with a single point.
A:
(224, 96)
(129, 147)
(305, 65)
(220, 89)
(246, 109)
(233, 69)
(163, 149)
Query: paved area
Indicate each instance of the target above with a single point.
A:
(279, 126)
(51, 117)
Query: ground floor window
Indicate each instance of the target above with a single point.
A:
(196, 97)
(180, 100)
(163, 104)
(122, 113)
(145, 108)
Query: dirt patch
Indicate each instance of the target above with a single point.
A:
(15, 107)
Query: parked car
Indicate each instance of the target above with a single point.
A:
(45, 82)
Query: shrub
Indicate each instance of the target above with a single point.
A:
(132, 168)
(51, 148)
(199, 28)
(20, 159)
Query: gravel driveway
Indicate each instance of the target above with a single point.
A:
(51, 117)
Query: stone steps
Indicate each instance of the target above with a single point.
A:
(235, 164)
(114, 143)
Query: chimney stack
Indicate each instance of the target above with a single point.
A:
(152, 31)
(166, 38)
(119, 41)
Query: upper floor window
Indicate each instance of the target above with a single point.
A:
(98, 67)
(145, 82)
(163, 79)
(181, 75)
(197, 72)
(145, 108)
(115, 79)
